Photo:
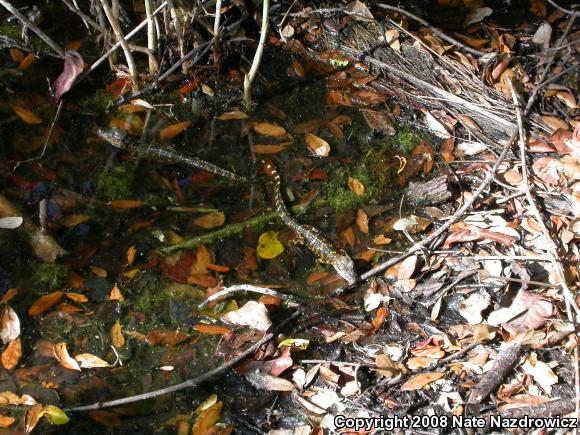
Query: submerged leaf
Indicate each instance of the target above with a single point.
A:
(55, 415)
(269, 246)
(73, 66)
(171, 131)
(26, 115)
(318, 146)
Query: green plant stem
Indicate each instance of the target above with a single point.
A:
(231, 230)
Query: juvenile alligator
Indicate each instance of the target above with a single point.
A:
(313, 239)
(121, 139)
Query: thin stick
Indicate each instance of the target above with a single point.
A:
(178, 31)
(46, 139)
(113, 20)
(151, 38)
(57, 48)
(243, 288)
(88, 20)
(551, 245)
(190, 383)
(128, 36)
(434, 29)
(216, 34)
(567, 11)
(249, 78)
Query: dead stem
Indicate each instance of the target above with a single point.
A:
(151, 38)
(49, 41)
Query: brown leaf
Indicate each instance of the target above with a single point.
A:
(26, 62)
(417, 382)
(45, 303)
(236, 114)
(126, 203)
(32, 417)
(379, 121)
(382, 240)
(117, 337)
(380, 317)
(338, 98)
(11, 355)
(268, 129)
(166, 337)
(265, 149)
(26, 115)
(462, 232)
(210, 220)
(368, 97)
(202, 280)
(63, 357)
(202, 259)
(171, 131)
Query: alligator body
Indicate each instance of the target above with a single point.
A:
(313, 239)
(121, 139)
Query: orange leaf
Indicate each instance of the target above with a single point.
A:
(380, 318)
(349, 236)
(26, 62)
(202, 279)
(166, 337)
(126, 203)
(6, 421)
(9, 295)
(12, 354)
(32, 417)
(206, 418)
(77, 297)
(45, 303)
(316, 276)
(267, 129)
(356, 186)
(64, 358)
(26, 115)
(270, 300)
(211, 329)
(171, 131)
(131, 108)
(210, 220)
(117, 335)
(131, 252)
(236, 114)
(381, 240)
(16, 55)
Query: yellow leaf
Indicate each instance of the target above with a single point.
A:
(269, 246)
(131, 252)
(356, 186)
(171, 131)
(318, 146)
(55, 415)
(26, 115)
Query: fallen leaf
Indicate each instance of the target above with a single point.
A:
(11, 223)
(45, 303)
(541, 372)
(6, 421)
(420, 381)
(436, 126)
(9, 325)
(73, 67)
(412, 224)
(117, 338)
(90, 361)
(77, 297)
(236, 114)
(126, 203)
(379, 319)
(269, 246)
(166, 337)
(379, 121)
(55, 415)
(211, 329)
(253, 314)
(26, 62)
(362, 221)
(268, 129)
(206, 418)
(63, 357)
(356, 186)
(472, 307)
(171, 131)
(11, 355)
(116, 295)
(210, 220)
(265, 149)
(26, 115)
(318, 146)
(72, 220)
(32, 417)
(382, 240)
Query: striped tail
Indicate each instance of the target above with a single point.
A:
(271, 171)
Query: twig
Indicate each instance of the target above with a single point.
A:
(244, 288)
(178, 31)
(151, 38)
(434, 29)
(567, 11)
(86, 19)
(249, 77)
(57, 48)
(551, 245)
(216, 34)
(190, 383)
(114, 21)
(46, 139)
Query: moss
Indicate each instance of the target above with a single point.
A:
(116, 184)
(408, 138)
(372, 171)
(49, 276)
(99, 102)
